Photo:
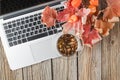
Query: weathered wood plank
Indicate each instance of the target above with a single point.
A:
(18, 74)
(89, 63)
(96, 62)
(2, 67)
(27, 73)
(84, 63)
(105, 58)
(65, 68)
(42, 71)
(110, 50)
(6, 73)
(118, 54)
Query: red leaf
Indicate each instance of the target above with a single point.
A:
(89, 36)
(49, 16)
(65, 14)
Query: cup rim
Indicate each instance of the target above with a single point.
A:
(77, 45)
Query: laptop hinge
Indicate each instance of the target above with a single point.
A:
(31, 9)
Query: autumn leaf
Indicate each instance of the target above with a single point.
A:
(90, 36)
(65, 14)
(103, 27)
(112, 10)
(49, 16)
(76, 3)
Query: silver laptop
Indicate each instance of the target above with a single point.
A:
(25, 39)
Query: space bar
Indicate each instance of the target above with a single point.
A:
(37, 36)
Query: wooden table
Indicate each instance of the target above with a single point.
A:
(102, 62)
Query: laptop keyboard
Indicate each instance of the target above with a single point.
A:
(29, 28)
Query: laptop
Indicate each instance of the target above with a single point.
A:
(25, 39)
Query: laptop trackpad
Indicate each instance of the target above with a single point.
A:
(44, 50)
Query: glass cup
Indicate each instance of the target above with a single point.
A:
(68, 44)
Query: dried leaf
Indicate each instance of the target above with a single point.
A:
(66, 14)
(112, 9)
(103, 27)
(76, 3)
(90, 36)
(49, 16)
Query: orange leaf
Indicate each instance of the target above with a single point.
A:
(76, 3)
(103, 27)
(94, 2)
(92, 8)
(73, 18)
(112, 10)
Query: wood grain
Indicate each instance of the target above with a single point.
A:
(110, 50)
(65, 68)
(89, 63)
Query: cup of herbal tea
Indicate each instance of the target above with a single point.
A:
(68, 45)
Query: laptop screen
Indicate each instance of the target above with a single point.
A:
(8, 6)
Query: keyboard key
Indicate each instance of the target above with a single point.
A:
(18, 23)
(18, 28)
(28, 29)
(31, 19)
(15, 42)
(24, 31)
(37, 36)
(31, 33)
(36, 32)
(38, 22)
(5, 27)
(19, 41)
(35, 14)
(14, 38)
(41, 26)
(31, 15)
(13, 29)
(27, 34)
(33, 28)
(19, 32)
(27, 21)
(10, 39)
(10, 35)
(19, 37)
(26, 17)
(57, 25)
(39, 17)
(21, 27)
(26, 26)
(24, 40)
(23, 35)
(14, 25)
(11, 44)
(8, 31)
(53, 27)
(34, 23)
(37, 27)
(22, 22)
(40, 30)
(55, 31)
(15, 33)
(35, 19)
(50, 32)
(10, 26)
(44, 29)
(30, 24)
